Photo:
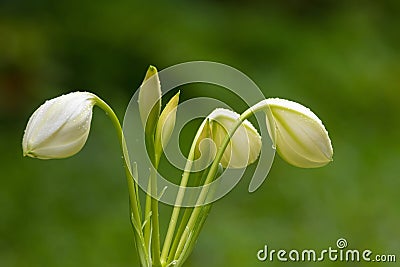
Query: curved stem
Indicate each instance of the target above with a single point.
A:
(211, 174)
(133, 197)
(127, 166)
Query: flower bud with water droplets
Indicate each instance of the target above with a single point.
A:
(60, 127)
(298, 134)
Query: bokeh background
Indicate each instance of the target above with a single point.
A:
(341, 58)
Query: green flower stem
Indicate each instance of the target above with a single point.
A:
(133, 199)
(155, 241)
(183, 222)
(211, 174)
(151, 224)
(175, 212)
(181, 192)
(179, 232)
(205, 210)
(149, 141)
(147, 218)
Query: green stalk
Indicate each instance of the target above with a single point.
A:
(175, 212)
(205, 210)
(151, 227)
(181, 192)
(211, 174)
(132, 189)
(183, 222)
(179, 232)
(155, 240)
(147, 218)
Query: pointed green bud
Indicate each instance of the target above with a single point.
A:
(245, 144)
(298, 134)
(60, 127)
(150, 100)
(166, 124)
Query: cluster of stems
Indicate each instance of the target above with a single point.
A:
(179, 239)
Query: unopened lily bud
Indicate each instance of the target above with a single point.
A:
(245, 144)
(166, 123)
(60, 127)
(150, 100)
(298, 134)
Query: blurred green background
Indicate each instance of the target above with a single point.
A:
(341, 58)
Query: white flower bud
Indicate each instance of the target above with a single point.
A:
(149, 100)
(59, 128)
(245, 144)
(298, 134)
